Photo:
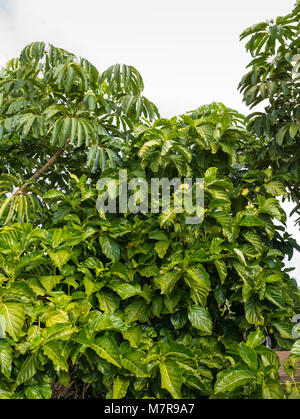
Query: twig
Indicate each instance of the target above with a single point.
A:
(41, 171)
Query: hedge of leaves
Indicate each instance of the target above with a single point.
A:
(144, 305)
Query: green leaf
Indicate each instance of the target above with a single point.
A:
(14, 317)
(296, 348)
(132, 362)
(200, 319)
(158, 235)
(110, 248)
(59, 257)
(5, 357)
(270, 206)
(120, 387)
(284, 327)
(254, 312)
(60, 331)
(255, 339)
(100, 321)
(137, 310)
(50, 282)
(232, 378)
(54, 351)
(107, 349)
(210, 175)
(161, 248)
(39, 392)
(254, 239)
(171, 379)
(272, 390)
(5, 394)
(248, 355)
(109, 302)
(222, 269)
(198, 281)
(28, 369)
(126, 290)
(251, 221)
(167, 281)
(195, 382)
(274, 294)
(276, 188)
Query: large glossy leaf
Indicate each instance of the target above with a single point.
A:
(248, 355)
(198, 280)
(120, 387)
(137, 310)
(272, 390)
(5, 357)
(38, 392)
(132, 362)
(110, 248)
(61, 331)
(59, 257)
(28, 369)
(200, 319)
(254, 312)
(107, 349)
(54, 351)
(14, 317)
(229, 380)
(171, 379)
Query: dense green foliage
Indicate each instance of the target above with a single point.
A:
(274, 77)
(134, 305)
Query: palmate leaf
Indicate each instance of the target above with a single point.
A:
(171, 379)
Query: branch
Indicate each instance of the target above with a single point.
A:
(44, 169)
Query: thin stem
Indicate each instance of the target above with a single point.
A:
(41, 171)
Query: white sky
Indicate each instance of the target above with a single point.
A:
(188, 51)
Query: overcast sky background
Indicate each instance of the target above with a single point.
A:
(188, 51)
